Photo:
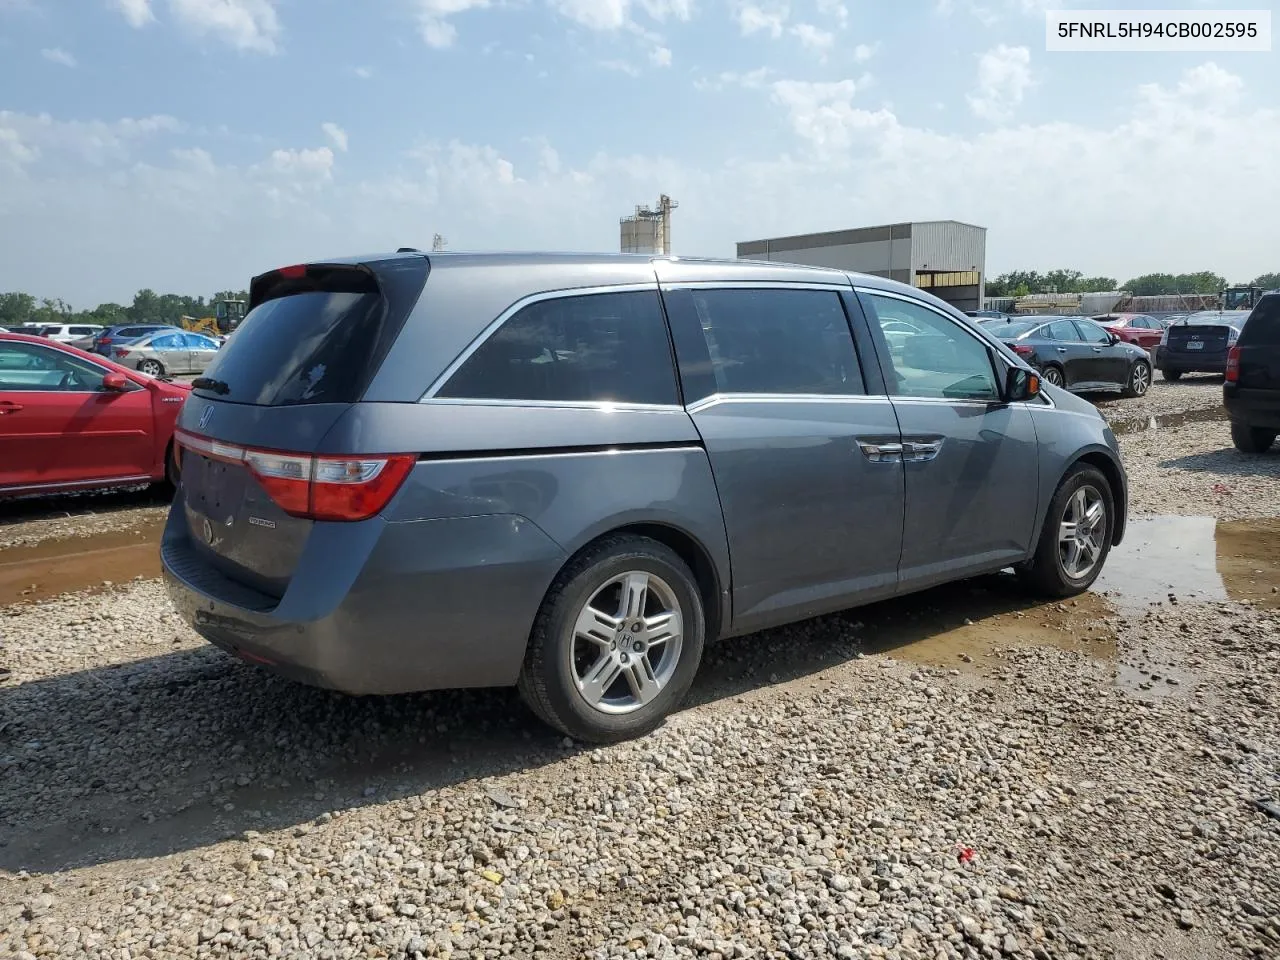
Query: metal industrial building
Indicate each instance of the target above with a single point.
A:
(945, 257)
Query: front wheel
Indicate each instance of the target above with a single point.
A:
(616, 643)
(151, 368)
(1076, 536)
(1251, 439)
(1139, 380)
(1054, 376)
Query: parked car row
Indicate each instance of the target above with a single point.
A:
(1077, 353)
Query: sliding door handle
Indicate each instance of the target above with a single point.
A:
(921, 451)
(881, 452)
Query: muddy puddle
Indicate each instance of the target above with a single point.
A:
(54, 567)
(1164, 561)
(1167, 421)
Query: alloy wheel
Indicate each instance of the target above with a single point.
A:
(149, 367)
(1141, 380)
(1081, 532)
(1053, 376)
(627, 640)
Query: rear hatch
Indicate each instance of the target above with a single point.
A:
(311, 342)
(1203, 338)
(1259, 362)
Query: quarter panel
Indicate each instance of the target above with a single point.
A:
(1066, 432)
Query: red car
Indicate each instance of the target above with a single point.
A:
(1136, 328)
(70, 420)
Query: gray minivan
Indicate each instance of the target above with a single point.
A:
(569, 472)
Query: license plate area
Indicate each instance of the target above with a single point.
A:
(1195, 344)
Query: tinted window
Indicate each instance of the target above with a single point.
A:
(1007, 331)
(26, 366)
(943, 360)
(82, 331)
(1145, 323)
(1062, 330)
(1092, 333)
(1263, 325)
(605, 347)
(779, 341)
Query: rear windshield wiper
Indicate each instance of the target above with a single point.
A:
(219, 387)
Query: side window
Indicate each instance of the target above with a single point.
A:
(603, 347)
(1092, 333)
(1064, 330)
(172, 341)
(195, 341)
(779, 341)
(941, 359)
(1262, 328)
(26, 367)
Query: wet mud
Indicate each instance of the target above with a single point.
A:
(68, 565)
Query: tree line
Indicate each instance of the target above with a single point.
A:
(1021, 283)
(147, 307)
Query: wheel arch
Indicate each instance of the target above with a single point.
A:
(1111, 469)
(1055, 365)
(690, 549)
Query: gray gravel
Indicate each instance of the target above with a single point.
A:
(823, 796)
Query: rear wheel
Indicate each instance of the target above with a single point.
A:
(617, 641)
(1251, 439)
(152, 368)
(1139, 380)
(1054, 376)
(1076, 537)
(169, 484)
(1171, 374)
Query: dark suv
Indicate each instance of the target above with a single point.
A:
(1251, 390)
(568, 473)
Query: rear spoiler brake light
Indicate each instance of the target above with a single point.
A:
(344, 488)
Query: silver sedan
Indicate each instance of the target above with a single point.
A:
(162, 354)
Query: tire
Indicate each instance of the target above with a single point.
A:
(1054, 376)
(152, 368)
(169, 485)
(1251, 439)
(1139, 380)
(1171, 374)
(560, 661)
(1046, 574)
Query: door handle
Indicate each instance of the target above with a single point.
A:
(1097, 349)
(1062, 349)
(8, 406)
(921, 451)
(878, 452)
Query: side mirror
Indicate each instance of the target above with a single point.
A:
(1020, 385)
(115, 382)
(1113, 338)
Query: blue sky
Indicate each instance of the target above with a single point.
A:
(184, 145)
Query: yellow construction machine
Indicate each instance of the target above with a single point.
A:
(227, 316)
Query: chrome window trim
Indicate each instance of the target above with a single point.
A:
(534, 455)
(716, 399)
(494, 325)
(756, 285)
(601, 406)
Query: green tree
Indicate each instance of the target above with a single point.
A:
(16, 308)
(1267, 281)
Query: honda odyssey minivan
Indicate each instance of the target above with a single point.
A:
(569, 473)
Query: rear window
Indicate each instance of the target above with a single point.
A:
(317, 338)
(1262, 329)
(1006, 331)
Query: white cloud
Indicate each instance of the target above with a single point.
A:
(336, 134)
(1004, 75)
(59, 56)
(364, 73)
(750, 80)
(621, 66)
(835, 9)
(754, 19)
(137, 12)
(433, 19)
(823, 113)
(864, 52)
(813, 37)
(616, 14)
(302, 165)
(244, 24)
(660, 56)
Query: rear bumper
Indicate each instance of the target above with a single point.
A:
(1253, 408)
(378, 607)
(1190, 361)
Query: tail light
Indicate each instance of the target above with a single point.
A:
(315, 488)
(1233, 365)
(121, 352)
(1023, 350)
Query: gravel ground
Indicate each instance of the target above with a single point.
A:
(1164, 399)
(37, 519)
(1056, 781)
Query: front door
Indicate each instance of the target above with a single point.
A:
(200, 352)
(1071, 351)
(1107, 363)
(58, 426)
(804, 458)
(172, 352)
(971, 463)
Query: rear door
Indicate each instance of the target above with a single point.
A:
(1069, 351)
(171, 350)
(1148, 331)
(804, 449)
(200, 351)
(971, 460)
(58, 426)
